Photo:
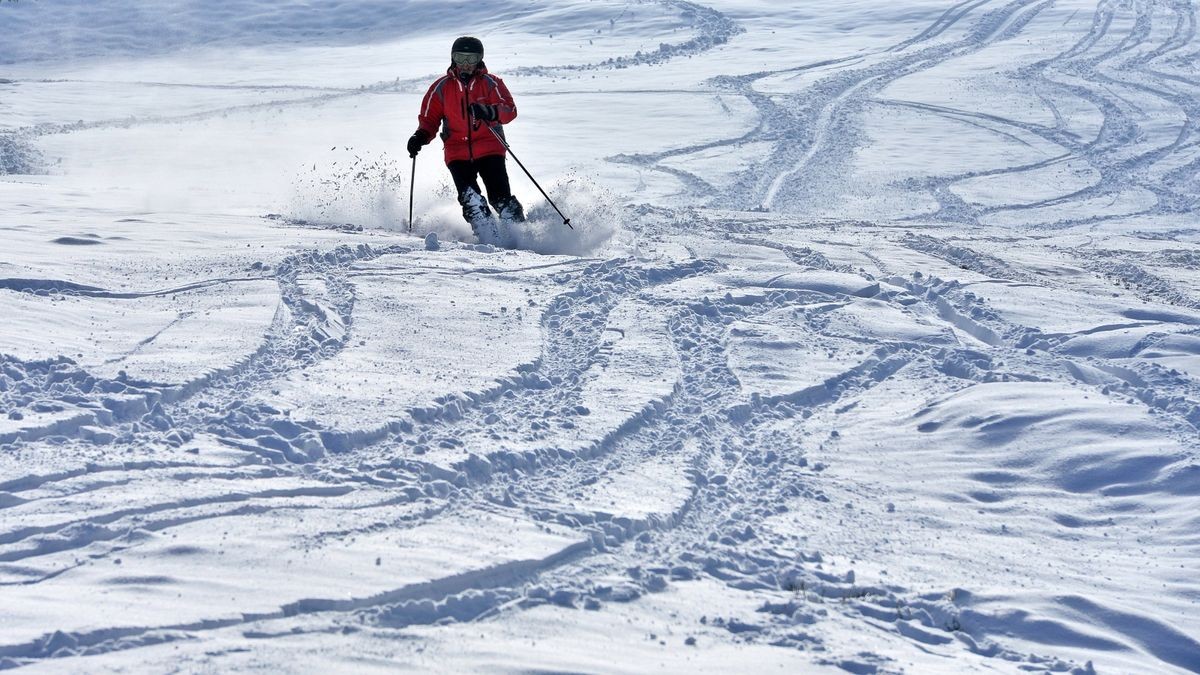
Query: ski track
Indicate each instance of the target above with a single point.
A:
(821, 122)
(824, 136)
(737, 453)
(726, 472)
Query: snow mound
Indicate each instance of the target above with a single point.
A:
(1044, 434)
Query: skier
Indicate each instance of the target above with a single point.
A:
(470, 105)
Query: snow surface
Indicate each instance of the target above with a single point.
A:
(875, 347)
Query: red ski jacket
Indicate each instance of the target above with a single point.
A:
(447, 103)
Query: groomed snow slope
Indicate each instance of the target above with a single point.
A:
(875, 347)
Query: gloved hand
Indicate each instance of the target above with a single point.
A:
(417, 141)
(484, 112)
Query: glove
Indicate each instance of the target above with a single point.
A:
(484, 112)
(417, 141)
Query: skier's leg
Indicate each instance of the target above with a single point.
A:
(465, 175)
(495, 177)
(474, 207)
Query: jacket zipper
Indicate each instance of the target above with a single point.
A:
(467, 117)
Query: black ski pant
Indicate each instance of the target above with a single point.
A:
(491, 169)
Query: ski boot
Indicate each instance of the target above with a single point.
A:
(476, 212)
(510, 212)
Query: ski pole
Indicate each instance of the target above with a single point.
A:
(411, 186)
(566, 220)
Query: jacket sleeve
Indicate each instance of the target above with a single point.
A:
(429, 118)
(506, 108)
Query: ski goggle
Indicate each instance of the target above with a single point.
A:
(465, 58)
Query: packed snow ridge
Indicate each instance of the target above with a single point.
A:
(875, 347)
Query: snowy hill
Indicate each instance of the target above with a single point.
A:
(875, 347)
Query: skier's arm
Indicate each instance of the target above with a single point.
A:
(506, 108)
(430, 115)
(428, 119)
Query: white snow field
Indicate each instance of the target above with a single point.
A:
(875, 347)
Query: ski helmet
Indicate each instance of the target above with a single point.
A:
(469, 45)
